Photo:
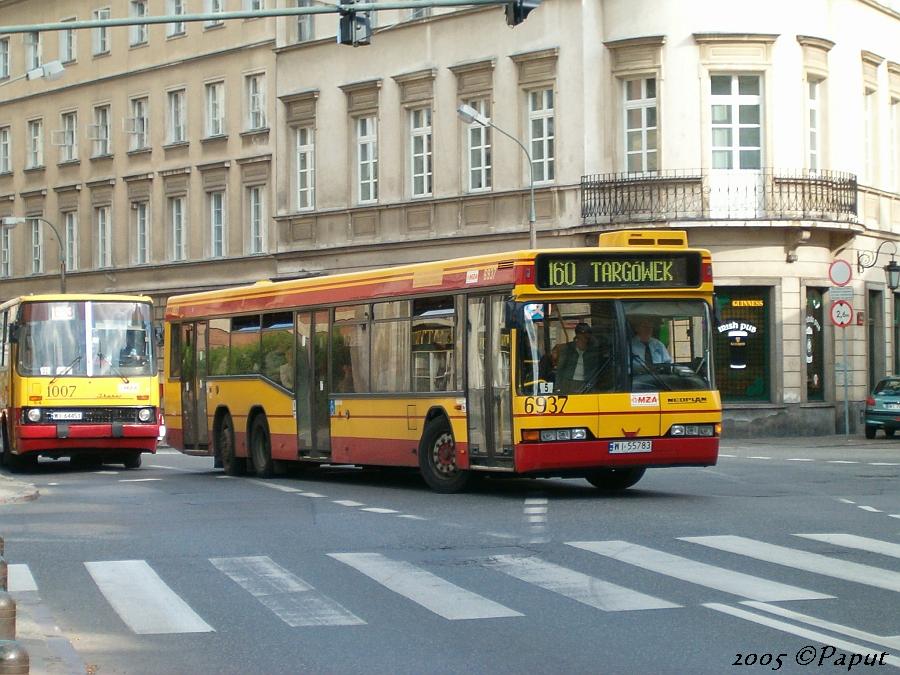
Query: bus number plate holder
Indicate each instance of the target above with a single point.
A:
(625, 447)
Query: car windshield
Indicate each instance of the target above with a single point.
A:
(888, 388)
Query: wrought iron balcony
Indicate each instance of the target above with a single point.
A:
(704, 194)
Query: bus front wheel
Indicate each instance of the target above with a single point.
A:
(261, 447)
(437, 459)
(132, 460)
(232, 465)
(614, 480)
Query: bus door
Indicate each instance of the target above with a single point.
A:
(321, 415)
(305, 388)
(488, 380)
(193, 385)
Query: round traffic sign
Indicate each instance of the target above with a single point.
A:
(840, 272)
(841, 313)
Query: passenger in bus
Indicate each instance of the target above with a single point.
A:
(579, 361)
(646, 350)
(548, 364)
(286, 369)
(345, 384)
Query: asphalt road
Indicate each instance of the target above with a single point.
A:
(785, 551)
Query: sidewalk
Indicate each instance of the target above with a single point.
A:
(14, 491)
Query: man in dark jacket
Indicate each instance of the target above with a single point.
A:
(579, 362)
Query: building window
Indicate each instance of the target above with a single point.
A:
(5, 248)
(742, 344)
(420, 152)
(32, 50)
(215, 108)
(366, 160)
(736, 121)
(4, 58)
(37, 246)
(419, 13)
(177, 222)
(640, 125)
(871, 134)
(306, 168)
(176, 116)
(214, 7)
(5, 166)
(254, 5)
(541, 134)
(35, 144)
(815, 345)
(70, 226)
(104, 236)
(176, 8)
(304, 22)
(68, 137)
(813, 96)
(256, 208)
(217, 224)
(101, 33)
(139, 124)
(138, 32)
(68, 50)
(141, 232)
(100, 131)
(895, 145)
(256, 102)
(478, 138)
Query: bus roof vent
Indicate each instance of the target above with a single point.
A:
(505, 264)
(629, 238)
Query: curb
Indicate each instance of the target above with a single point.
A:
(16, 492)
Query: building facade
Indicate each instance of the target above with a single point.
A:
(259, 148)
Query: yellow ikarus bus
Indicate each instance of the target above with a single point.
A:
(78, 379)
(587, 362)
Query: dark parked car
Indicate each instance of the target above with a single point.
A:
(883, 408)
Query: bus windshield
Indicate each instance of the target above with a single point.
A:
(606, 346)
(84, 338)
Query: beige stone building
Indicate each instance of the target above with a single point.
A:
(260, 148)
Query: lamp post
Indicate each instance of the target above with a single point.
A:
(469, 115)
(12, 221)
(864, 260)
(52, 70)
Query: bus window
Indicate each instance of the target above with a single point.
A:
(245, 354)
(390, 346)
(433, 344)
(278, 348)
(350, 349)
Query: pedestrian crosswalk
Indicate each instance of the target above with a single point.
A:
(590, 573)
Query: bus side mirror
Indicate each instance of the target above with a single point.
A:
(717, 317)
(13, 333)
(158, 334)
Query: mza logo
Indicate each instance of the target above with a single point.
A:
(644, 400)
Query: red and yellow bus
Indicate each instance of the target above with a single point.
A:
(78, 379)
(449, 366)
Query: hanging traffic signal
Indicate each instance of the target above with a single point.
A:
(517, 10)
(354, 28)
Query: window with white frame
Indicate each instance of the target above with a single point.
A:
(214, 7)
(215, 108)
(100, 131)
(419, 13)
(177, 228)
(175, 8)
(137, 33)
(813, 123)
(176, 116)
(304, 22)
(870, 131)
(257, 219)
(366, 159)
(32, 50)
(736, 120)
(5, 248)
(35, 144)
(68, 50)
(478, 138)
(217, 224)
(68, 138)
(420, 152)
(4, 58)
(138, 125)
(103, 226)
(640, 125)
(5, 166)
(100, 34)
(542, 134)
(895, 143)
(141, 211)
(70, 227)
(37, 246)
(255, 89)
(254, 5)
(305, 161)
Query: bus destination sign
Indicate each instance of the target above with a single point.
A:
(584, 271)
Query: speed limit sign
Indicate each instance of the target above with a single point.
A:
(841, 313)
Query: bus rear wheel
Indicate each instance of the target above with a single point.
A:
(232, 465)
(261, 447)
(615, 480)
(437, 459)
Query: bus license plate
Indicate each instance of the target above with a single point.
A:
(75, 415)
(622, 447)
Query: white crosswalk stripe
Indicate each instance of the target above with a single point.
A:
(19, 579)
(857, 542)
(424, 588)
(291, 599)
(143, 600)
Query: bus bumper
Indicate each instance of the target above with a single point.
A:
(596, 454)
(64, 437)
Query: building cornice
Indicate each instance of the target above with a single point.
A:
(705, 38)
(871, 58)
(817, 42)
(471, 66)
(881, 8)
(299, 96)
(374, 83)
(147, 175)
(68, 188)
(416, 75)
(648, 40)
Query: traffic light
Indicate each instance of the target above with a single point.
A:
(517, 10)
(354, 28)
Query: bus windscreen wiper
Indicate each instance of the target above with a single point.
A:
(67, 369)
(112, 367)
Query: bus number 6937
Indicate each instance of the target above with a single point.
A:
(545, 405)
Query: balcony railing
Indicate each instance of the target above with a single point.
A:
(704, 194)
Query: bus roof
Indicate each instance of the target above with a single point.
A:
(76, 297)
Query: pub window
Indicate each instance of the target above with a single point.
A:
(390, 346)
(814, 345)
(350, 349)
(175, 350)
(245, 353)
(742, 344)
(218, 338)
(278, 347)
(433, 353)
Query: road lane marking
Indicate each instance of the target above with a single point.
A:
(375, 509)
(312, 495)
(424, 588)
(19, 579)
(411, 517)
(802, 560)
(857, 542)
(841, 461)
(273, 486)
(347, 502)
(799, 459)
(846, 501)
(138, 480)
(702, 574)
(142, 600)
(572, 584)
(884, 463)
(289, 597)
(758, 457)
(871, 509)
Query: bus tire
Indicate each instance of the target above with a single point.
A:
(437, 459)
(615, 480)
(870, 431)
(231, 465)
(132, 460)
(261, 447)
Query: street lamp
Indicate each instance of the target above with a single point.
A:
(864, 260)
(12, 221)
(469, 115)
(52, 70)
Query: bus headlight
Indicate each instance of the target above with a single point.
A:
(552, 435)
(145, 414)
(33, 415)
(707, 430)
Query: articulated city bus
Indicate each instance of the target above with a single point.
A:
(78, 379)
(589, 362)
